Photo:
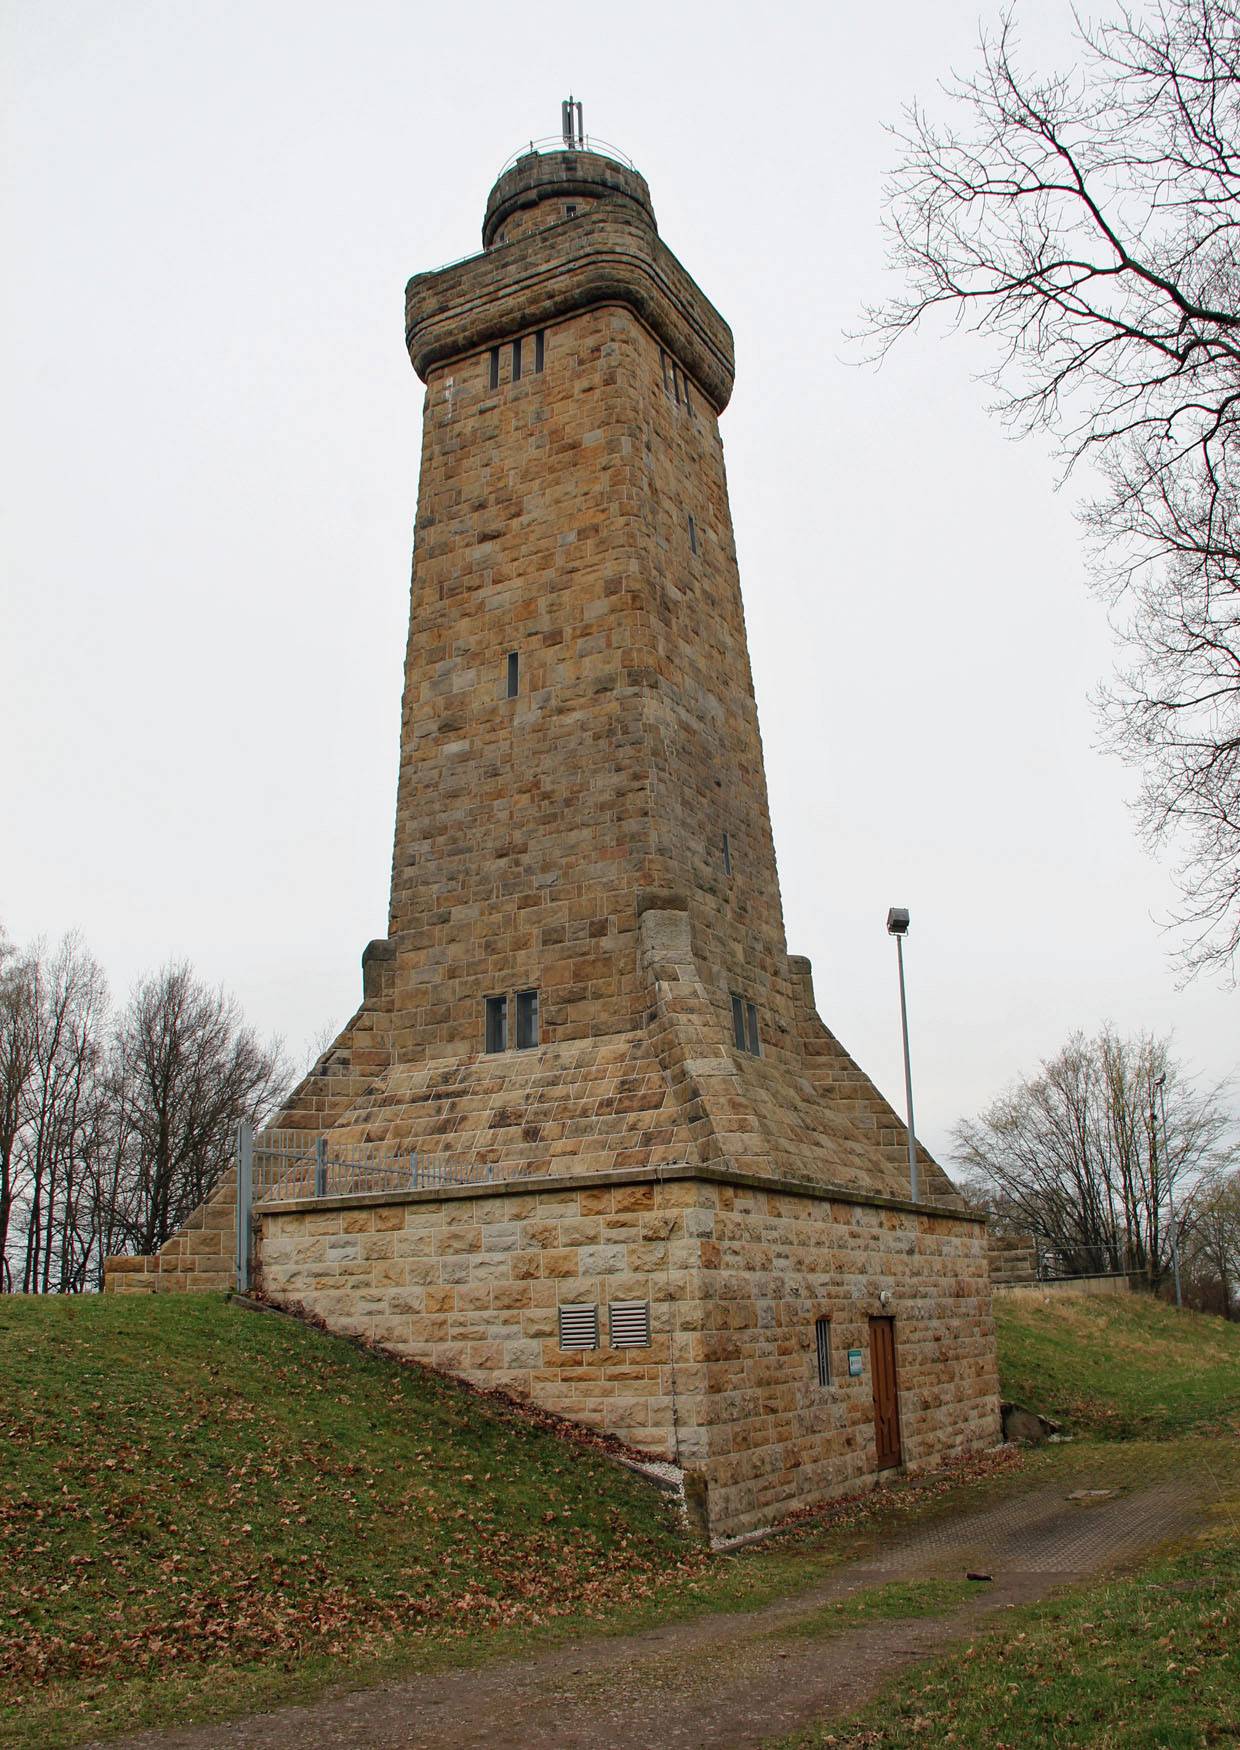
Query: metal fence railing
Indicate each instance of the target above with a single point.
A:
(279, 1166)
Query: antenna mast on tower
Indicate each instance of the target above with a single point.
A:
(571, 125)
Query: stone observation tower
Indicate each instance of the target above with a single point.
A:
(654, 1192)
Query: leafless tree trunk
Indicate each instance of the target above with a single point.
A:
(68, 1010)
(16, 1070)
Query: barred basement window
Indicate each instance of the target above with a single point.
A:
(578, 1327)
(497, 1024)
(822, 1343)
(540, 349)
(738, 1021)
(516, 361)
(527, 1019)
(751, 1015)
(692, 535)
(727, 854)
(628, 1324)
(513, 674)
(494, 378)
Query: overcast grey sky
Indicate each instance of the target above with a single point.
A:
(210, 461)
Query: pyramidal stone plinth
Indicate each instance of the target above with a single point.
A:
(583, 1017)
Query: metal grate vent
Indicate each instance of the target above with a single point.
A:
(578, 1327)
(822, 1342)
(629, 1322)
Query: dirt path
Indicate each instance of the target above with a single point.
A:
(733, 1680)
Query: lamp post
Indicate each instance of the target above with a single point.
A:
(897, 926)
(1161, 1085)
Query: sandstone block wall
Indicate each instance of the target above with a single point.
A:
(200, 1258)
(1013, 1260)
(735, 1275)
(773, 1262)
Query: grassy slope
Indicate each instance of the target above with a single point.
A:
(190, 1488)
(1119, 1366)
(204, 1512)
(180, 1539)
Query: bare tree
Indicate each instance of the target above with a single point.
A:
(112, 1129)
(1212, 1258)
(60, 1109)
(1088, 224)
(1076, 1155)
(186, 1069)
(17, 987)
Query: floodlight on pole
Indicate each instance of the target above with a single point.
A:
(1161, 1084)
(897, 926)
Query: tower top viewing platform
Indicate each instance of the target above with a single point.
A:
(564, 177)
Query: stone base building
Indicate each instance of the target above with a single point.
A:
(655, 1192)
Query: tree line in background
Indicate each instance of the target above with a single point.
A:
(1107, 1156)
(1087, 224)
(114, 1123)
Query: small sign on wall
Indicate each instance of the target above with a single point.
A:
(855, 1364)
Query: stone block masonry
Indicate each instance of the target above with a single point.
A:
(735, 1272)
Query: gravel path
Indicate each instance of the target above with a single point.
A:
(730, 1680)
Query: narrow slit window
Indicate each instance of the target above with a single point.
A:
(497, 1024)
(494, 376)
(727, 854)
(738, 1021)
(628, 1324)
(688, 403)
(822, 1344)
(527, 1019)
(667, 386)
(578, 1327)
(676, 383)
(516, 361)
(540, 349)
(693, 547)
(513, 674)
(751, 1016)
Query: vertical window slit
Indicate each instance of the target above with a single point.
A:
(692, 536)
(738, 1021)
(516, 361)
(751, 1015)
(727, 854)
(540, 349)
(513, 674)
(494, 367)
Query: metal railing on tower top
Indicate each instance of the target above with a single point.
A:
(556, 143)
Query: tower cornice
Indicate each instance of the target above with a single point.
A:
(604, 256)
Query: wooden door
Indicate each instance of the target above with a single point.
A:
(886, 1392)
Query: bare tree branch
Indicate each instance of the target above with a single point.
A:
(1087, 226)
